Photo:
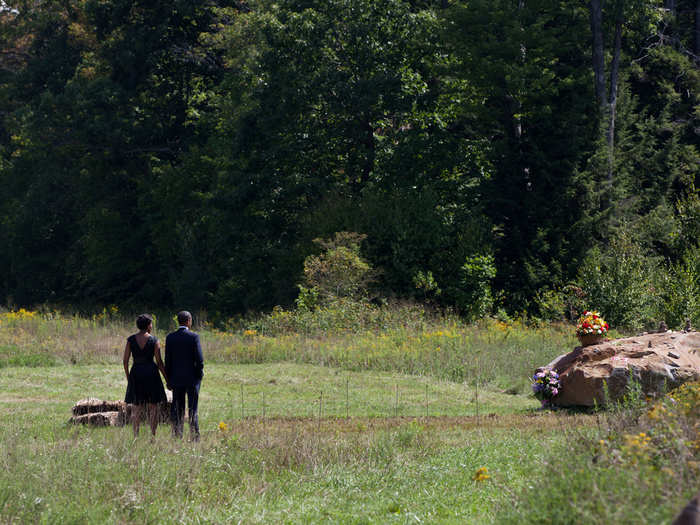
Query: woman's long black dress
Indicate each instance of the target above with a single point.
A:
(144, 384)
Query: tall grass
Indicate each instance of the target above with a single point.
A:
(404, 340)
(287, 459)
(489, 353)
(47, 338)
(641, 466)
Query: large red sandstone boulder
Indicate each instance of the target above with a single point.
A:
(601, 373)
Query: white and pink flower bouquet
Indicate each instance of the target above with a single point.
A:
(545, 385)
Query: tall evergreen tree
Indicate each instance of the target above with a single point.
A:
(528, 60)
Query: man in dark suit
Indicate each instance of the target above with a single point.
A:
(184, 366)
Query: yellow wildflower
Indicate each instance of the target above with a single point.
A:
(481, 474)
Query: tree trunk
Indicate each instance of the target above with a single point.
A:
(516, 103)
(697, 31)
(614, 72)
(368, 143)
(598, 57)
(670, 26)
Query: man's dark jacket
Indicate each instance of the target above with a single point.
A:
(184, 364)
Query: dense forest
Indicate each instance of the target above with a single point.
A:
(519, 157)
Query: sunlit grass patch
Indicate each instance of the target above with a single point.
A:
(281, 462)
(13, 355)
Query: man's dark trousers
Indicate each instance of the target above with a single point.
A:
(177, 410)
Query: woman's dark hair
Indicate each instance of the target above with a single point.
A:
(143, 320)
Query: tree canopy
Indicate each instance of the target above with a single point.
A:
(164, 153)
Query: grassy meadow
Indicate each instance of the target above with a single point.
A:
(428, 422)
(492, 352)
(288, 466)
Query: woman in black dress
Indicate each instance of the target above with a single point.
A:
(144, 387)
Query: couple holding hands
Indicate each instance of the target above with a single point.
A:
(183, 372)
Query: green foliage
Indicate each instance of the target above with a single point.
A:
(523, 60)
(340, 315)
(688, 219)
(307, 299)
(410, 231)
(680, 291)
(339, 271)
(106, 87)
(425, 283)
(187, 154)
(551, 305)
(620, 283)
(477, 273)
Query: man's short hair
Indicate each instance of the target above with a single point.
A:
(143, 320)
(183, 317)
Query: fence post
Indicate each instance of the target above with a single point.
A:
(320, 410)
(426, 400)
(242, 405)
(396, 400)
(476, 391)
(347, 398)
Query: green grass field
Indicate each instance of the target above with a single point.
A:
(335, 428)
(289, 466)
